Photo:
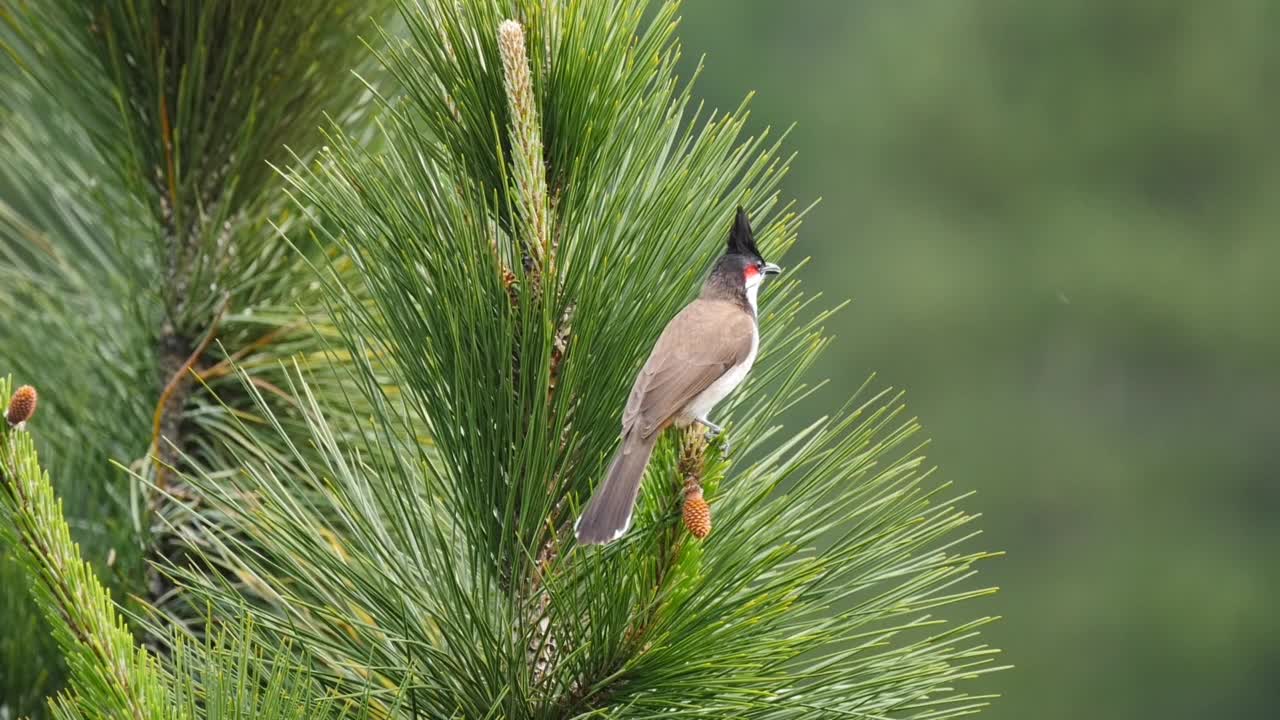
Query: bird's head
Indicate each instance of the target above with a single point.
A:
(742, 260)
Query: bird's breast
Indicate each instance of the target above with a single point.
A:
(703, 402)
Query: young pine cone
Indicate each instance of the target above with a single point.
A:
(697, 513)
(21, 406)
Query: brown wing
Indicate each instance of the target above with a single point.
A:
(698, 346)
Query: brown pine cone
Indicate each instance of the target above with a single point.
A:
(21, 406)
(697, 513)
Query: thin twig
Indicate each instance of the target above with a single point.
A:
(222, 367)
(274, 390)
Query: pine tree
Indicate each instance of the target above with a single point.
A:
(141, 253)
(463, 282)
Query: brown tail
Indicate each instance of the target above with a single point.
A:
(608, 513)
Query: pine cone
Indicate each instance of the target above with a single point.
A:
(697, 513)
(21, 406)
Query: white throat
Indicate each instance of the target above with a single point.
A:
(753, 288)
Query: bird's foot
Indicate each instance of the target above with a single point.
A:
(715, 432)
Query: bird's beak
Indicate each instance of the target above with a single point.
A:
(771, 269)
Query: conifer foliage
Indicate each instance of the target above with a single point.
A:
(141, 257)
(465, 279)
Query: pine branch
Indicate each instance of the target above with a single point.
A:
(230, 675)
(110, 674)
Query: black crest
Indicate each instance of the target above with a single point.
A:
(741, 240)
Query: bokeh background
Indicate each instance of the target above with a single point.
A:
(1059, 222)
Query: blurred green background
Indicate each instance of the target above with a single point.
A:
(1058, 221)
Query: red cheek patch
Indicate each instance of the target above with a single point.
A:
(750, 272)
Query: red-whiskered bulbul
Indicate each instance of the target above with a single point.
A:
(701, 356)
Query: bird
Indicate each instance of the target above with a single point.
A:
(703, 354)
